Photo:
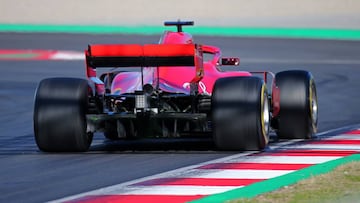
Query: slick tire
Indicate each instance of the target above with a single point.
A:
(297, 115)
(240, 114)
(60, 115)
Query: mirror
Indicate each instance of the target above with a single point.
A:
(229, 61)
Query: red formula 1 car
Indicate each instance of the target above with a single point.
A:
(172, 89)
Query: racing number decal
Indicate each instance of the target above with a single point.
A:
(201, 85)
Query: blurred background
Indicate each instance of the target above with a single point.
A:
(237, 13)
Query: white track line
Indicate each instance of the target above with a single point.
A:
(345, 128)
(328, 146)
(174, 190)
(285, 159)
(189, 171)
(111, 189)
(236, 173)
(68, 55)
(344, 137)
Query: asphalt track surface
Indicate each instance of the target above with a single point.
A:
(27, 175)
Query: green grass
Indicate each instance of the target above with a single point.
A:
(339, 185)
(280, 183)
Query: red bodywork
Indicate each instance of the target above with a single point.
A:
(168, 79)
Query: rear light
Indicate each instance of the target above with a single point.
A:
(141, 100)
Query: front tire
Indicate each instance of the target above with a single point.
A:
(298, 112)
(240, 113)
(60, 115)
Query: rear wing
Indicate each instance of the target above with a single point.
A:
(150, 55)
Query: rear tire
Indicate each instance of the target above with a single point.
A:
(60, 115)
(297, 117)
(240, 113)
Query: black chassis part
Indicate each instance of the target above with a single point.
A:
(147, 122)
